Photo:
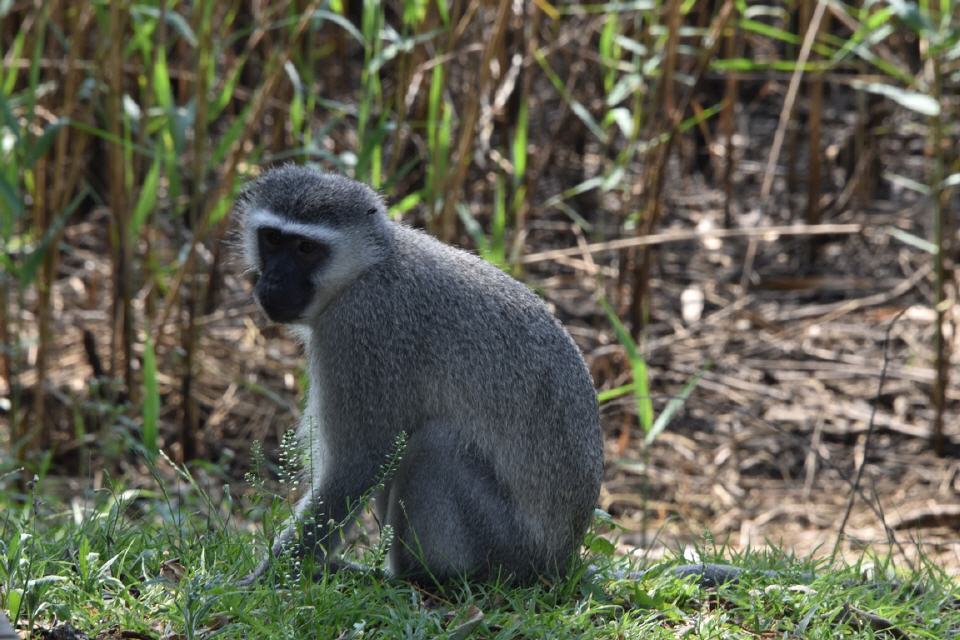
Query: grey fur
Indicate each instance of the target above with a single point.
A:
(503, 460)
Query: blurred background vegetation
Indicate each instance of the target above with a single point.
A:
(604, 152)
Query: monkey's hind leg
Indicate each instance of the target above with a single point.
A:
(451, 516)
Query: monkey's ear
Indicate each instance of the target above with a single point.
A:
(245, 194)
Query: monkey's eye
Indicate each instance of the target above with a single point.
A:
(308, 248)
(271, 237)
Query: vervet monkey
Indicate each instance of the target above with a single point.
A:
(402, 333)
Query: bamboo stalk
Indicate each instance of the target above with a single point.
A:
(452, 190)
(36, 436)
(122, 321)
(938, 202)
(7, 369)
(147, 99)
(790, 98)
(728, 124)
(530, 37)
(814, 178)
(657, 175)
(69, 144)
(190, 423)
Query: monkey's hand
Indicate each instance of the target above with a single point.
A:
(283, 545)
(256, 574)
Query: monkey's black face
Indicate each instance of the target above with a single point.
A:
(287, 263)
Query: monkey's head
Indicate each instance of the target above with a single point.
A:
(307, 236)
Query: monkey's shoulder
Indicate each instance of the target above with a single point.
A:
(439, 269)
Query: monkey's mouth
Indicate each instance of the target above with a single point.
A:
(280, 310)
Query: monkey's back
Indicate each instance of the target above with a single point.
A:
(464, 344)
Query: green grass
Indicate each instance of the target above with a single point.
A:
(165, 560)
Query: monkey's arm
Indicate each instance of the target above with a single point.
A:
(321, 514)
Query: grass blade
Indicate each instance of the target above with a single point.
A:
(638, 366)
(675, 404)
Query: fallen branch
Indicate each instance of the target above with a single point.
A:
(764, 233)
(936, 515)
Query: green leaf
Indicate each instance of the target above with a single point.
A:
(624, 119)
(339, 20)
(146, 200)
(14, 52)
(402, 45)
(581, 9)
(520, 143)
(907, 183)
(226, 93)
(675, 404)
(297, 103)
(913, 100)
(611, 394)
(910, 14)
(910, 239)
(609, 53)
(233, 132)
(602, 517)
(444, 12)
(42, 143)
(621, 331)
(406, 204)
(32, 262)
(174, 19)
(220, 210)
(498, 226)
(641, 392)
(14, 601)
(769, 31)
(13, 207)
(161, 83)
(952, 180)
(83, 558)
(44, 581)
(601, 546)
(789, 66)
(473, 229)
(575, 106)
(625, 87)
(414, 11)
(641, 383)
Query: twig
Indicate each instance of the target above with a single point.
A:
(876, 507)
(825, 313)
(810, 463)
(936, 515)
(682, 236)
(866, 442)
(865, 619)
(791, 97)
